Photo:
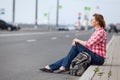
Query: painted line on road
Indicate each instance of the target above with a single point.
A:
(19, 34)
(31, 40)
(36, 33)
(53, 38)
(27, 34)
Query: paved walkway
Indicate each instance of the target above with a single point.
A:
(111, 69)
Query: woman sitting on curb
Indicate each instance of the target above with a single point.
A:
(95, 46)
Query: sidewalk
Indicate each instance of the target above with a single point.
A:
(111, 68)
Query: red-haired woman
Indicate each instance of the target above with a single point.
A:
(95, 46)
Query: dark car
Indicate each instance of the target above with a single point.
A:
(66, 28)
(112, 28)
(6, 26)
(84, 27)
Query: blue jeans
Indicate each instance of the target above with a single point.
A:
(66, 61)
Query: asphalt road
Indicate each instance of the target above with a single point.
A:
(23, 53)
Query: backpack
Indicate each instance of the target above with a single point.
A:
(79, 64)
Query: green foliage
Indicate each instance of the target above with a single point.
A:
(87, 8)
(100, 73)
(96, 69)
(109, 73)
(45, 14)
(60, 7)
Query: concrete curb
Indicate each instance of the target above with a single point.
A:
(89, 73)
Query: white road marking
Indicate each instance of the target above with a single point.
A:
(31, 40)
(20, 34)
(36, 33)
(53, 38)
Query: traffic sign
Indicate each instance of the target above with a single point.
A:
(79, 17)
(87, 8)
(2, 11)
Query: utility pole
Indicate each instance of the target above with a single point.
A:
(57, 14)
(87, 9)
(36, 14)
(13, 19)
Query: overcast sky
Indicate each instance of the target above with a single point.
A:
(68, 14)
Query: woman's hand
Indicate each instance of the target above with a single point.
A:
(75, 41)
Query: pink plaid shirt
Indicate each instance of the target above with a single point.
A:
(97, 42)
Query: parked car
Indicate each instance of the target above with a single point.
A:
(6, 26)
(88, 28)
(112, 28)
(66, 28)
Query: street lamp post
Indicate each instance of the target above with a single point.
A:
(87, 9)
(36, 14)
(57, 14)
(13, 19)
